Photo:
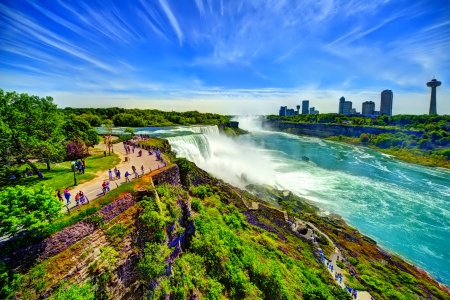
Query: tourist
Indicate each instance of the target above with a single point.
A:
(142, 169)
(110, 174)
(115, 171)
(77, 199)
(83, 198)
(126, 176)
(105, 186)
(59, 195)
(67, 196)
(118, 174)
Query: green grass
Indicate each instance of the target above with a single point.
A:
(61, 176)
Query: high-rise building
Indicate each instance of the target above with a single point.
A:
(313, 111)
(305, 109)
(433, 84)
(298, 109)
(368, 108)
(387, 98)
(344, 106)
(291, 112)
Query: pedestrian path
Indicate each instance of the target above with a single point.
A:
(330, 262)
(93, 189)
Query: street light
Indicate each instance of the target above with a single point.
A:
(74, 178)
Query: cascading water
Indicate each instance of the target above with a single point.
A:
(194, 147)
(222, 156)
(207, 130)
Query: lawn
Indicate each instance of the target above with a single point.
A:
(61, 176)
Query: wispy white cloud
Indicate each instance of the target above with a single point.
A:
(200, 7)
(172, 19)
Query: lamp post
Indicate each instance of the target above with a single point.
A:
(74, 178)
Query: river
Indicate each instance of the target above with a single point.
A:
(404, 207)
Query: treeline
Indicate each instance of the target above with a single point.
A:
(33, 128)
(144, 117)
(428, 141)
(409, 122)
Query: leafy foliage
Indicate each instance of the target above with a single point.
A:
(148, 117)
(23, 208)
(74, 292)
(30, 127)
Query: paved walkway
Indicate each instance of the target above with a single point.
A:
(93, 188)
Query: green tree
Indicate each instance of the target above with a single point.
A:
(30, 127)
(129, 130)
(78, 129)
(24, 208)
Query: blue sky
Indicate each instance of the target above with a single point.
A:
(231, 57)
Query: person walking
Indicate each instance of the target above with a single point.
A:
(67, 196)
(142, 169)
(118, 173)
(110, 174)
(136, 175)
(59, 195)
(83, 198)
(126, 176)
(77, 199)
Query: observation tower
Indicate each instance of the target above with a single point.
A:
(433, 84)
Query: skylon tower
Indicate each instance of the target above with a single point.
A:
(433, 84)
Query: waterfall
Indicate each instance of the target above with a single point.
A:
(207, 130)
(194, 147)
(224, 157)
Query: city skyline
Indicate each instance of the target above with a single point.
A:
(223, 56)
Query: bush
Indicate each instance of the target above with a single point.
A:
(201, 191)
(74, 292)
(196, 205)
(364, 138)
(353, 261)
(27, 208)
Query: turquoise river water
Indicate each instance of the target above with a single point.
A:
(404, 207)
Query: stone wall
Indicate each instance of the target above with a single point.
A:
(273, 213)
(326, 130)
(170, 175)
(23, 259)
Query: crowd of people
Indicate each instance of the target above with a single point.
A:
(80, 197)
(78, 166)
(113, 174)
(337, 276)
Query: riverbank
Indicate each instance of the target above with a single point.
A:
(408, 155)
(429, 148)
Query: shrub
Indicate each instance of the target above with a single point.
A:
(364, 138)
(27, 208)
(196, 205)
(353, 261)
